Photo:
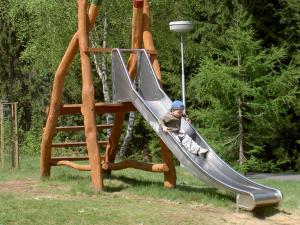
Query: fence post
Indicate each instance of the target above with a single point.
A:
(16, 144)
(14, 136)
(2, 135)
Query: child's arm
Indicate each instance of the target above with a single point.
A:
(161, 122)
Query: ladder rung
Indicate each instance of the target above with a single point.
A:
(55, 159)
(108, 50)
(99, 108)
(75, 144)
(76, 128)
(151, 52)
(105, 50)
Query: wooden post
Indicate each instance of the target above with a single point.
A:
(136, 42)
(2, 134)
(170, 176)
(16, 141)
(56, 96)
(12, 137)
(136, 35)
(148, 39)
(112, 147)
(136, 165)
(88, 102)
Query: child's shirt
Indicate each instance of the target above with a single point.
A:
(170, 121)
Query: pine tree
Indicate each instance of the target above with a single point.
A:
(241, 95)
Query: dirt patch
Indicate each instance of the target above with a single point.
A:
(213, 215)
(20, 186)
(221, 215)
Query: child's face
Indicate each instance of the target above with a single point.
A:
(177, 113)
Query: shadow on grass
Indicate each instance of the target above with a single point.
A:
(183, 188)
(69, 177)
(268, 211)
(129, 182)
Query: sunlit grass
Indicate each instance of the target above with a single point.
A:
(149, 185)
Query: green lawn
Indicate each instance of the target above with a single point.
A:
(131, 196)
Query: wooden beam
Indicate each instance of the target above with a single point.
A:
(72, 165)
(56, 159)
(136, 165)
(108, 50)
(75, 144)
(99, 108)
(88, 98)
(136, 35)
(101, 50)
(83, 158)
(77, 128)
(114, 139)
(169, 176)
(148, 39)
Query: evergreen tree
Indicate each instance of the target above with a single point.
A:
(240, 75)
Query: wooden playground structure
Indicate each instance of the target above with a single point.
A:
(105, 162)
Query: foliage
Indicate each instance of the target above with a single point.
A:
(241, 68)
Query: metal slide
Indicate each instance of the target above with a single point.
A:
(152, 102)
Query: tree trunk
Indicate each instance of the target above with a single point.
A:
(241, 132)
(128, 136)
(102, 72)
(241, 126)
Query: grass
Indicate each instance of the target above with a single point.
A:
(131, 196)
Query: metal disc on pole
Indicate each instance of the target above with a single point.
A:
(181, 27)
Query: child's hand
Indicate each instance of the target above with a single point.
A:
(187, 119)
(185, 116)
(166, 129)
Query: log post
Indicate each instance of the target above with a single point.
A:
(136, 35)
(88, 101)
(170, 176)
(148, 39)
(136, 165)
(112, 147)
(72, 165)
(136, 42)
(56, 96)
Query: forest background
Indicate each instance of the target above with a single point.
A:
(241, 61)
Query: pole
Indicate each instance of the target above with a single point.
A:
(182, 72)
(2, 135)
(12, 136)
(17, 154)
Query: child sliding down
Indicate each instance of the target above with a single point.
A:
(172, 122)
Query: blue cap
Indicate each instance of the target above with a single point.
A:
(177, 105)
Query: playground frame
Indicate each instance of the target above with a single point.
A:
(141, 35)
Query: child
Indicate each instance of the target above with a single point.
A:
(172, 122)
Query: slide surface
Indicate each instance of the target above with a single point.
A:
(151, 101)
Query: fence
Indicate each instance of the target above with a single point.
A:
(8, 119)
